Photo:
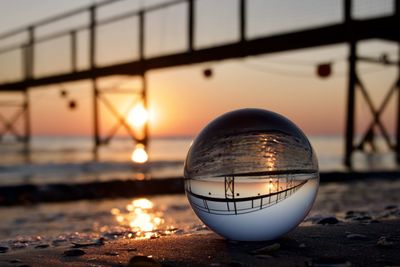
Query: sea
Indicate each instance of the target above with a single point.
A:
(60, 159)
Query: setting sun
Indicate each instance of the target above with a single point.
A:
(138, 116)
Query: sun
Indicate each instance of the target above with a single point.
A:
(138, 116)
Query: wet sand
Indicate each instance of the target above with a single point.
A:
(342, 244)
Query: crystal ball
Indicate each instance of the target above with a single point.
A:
(251, 175)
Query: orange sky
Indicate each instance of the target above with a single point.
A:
(183, 101)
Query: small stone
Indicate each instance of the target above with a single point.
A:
(235, 264)
(302, 245)
(329, 262)
(362, 218)
(179, 232)
(356, 236)
(131, 249)
(142, 261)
(384, 242)
(73, 253)
(267, 250)
(3, 249)
(391, 207)
(169, 263)
(99, 242)
(263, 256)
(350, 212)
(58, 242)
(112, 253)
(328, 220)
(15, 261)
(43, 246)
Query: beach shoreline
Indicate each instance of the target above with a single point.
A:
(26, 194)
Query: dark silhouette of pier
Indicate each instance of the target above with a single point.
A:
(350, 30)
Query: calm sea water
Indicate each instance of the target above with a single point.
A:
(70, 160)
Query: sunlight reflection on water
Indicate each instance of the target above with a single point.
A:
(142, 218)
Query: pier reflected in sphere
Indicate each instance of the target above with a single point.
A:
(251, 175)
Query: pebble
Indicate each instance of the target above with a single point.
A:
(391, 207)
(267, 250)
(350, 213)
(99, 242)
(15, 261)
(42, 246)
(328, 220)
(73, 252)
(263, 256)
(58, 242)
(360, 216)
(329, 262)
(356, 236)
(3, 249)
(142, 261)
(384, 242)
(112, 253)
(363, 218)
(235, 264)
(131, 249)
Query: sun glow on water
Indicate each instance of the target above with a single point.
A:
(140, 217)
(139, 154)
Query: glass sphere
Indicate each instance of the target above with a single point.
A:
(251, 175)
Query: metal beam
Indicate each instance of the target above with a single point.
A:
(329, 35)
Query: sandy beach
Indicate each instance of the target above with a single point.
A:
(351, 224)
(342, 244)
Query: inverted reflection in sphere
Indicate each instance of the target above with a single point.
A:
(251, 175)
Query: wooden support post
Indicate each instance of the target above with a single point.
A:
(145, 140)
(97, 141)
(242, 20)
(351, 90)
(30, 53)
(29, 73)
(92, 60)
(190, 25)
(142, 43)
(141, 35)
(74, 54)
(27, 120)
(92, 41)
(397, 145)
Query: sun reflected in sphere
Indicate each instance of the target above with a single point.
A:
(251, 175)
